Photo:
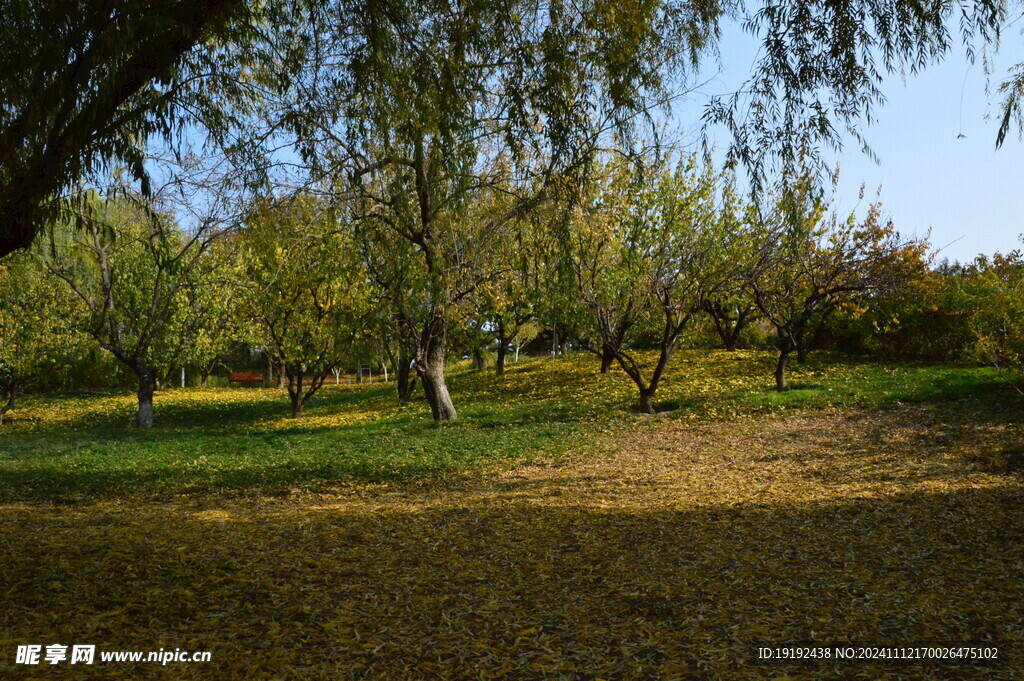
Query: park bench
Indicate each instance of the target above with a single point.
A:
(246, 377)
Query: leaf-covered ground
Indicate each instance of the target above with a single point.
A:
(66, 448)
(665, 550)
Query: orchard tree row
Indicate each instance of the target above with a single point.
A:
(646, 248)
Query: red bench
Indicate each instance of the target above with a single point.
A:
(246, 377)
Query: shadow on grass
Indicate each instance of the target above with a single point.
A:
(512, 585)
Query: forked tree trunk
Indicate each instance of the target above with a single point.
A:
(430, 369)
(147, 386)
(297, 405)
(295, 392)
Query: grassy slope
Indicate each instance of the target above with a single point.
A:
(67, 447)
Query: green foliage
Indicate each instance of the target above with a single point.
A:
(811, 263)
(647, 249)
(307, 290)
(132, 269)
(38, 335)
(969, 313)
(86, 85)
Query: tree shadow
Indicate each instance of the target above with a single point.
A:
(515, 582)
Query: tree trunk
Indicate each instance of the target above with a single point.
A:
(607, 357)
(441, 406)
(780, 371)
(204, 377)
(295, 391)
(647, 400)
(801, 353)
(499, 362)
(282, 377)
(10, 394)
(404, 379)
(297, 405)
(478, 358)
(732, 338)
(430, 369)
(147, 386)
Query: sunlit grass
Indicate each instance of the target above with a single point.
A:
(225, 439)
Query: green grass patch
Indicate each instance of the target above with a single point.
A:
(66, 447)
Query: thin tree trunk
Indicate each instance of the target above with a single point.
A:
(297, 405)
(147, 386)
(295, 392)
(282, 377)
(780, 371)
(10, 395)
(204, 377)
(499, 362)
(478, 358)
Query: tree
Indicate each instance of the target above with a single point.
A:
(216, 307)
(812, 262)
(131, 267)
(307, 290)
(509, 302)
(821, 66)
(37, 326)
(86, 84)
(427, 108)
(648, 251)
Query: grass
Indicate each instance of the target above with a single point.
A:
(67, 447)
(871, 506)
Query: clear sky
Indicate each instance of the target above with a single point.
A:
(969, 194)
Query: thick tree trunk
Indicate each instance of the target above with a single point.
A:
(499, 362)
(731, 339)
(780, 371)
(607, 357)
(441, 406)
(647, 400)
(297, 406)
(430, 369)
(147, 386)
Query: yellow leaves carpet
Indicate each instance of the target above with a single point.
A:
(671, 554)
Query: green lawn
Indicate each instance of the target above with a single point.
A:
(68, 447)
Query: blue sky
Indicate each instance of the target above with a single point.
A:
(970, 195)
